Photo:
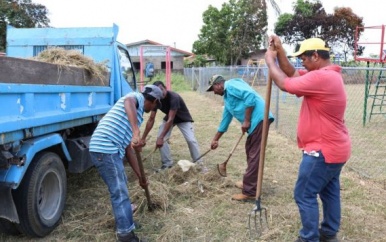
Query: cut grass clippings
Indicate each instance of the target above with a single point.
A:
(195, 206)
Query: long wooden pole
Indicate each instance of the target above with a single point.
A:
(143, 177)
(264, 138)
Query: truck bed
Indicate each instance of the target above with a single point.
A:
(46, 98)
(25, 71)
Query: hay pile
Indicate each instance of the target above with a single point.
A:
(73, 58)
(169, 184)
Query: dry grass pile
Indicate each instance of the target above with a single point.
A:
(196, 207)
(73, 58)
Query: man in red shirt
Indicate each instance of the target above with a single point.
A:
(322, 134)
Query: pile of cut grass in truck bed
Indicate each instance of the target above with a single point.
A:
(73, 58)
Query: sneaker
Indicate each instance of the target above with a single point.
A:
(327, 238)
(137, 225)
(164, 167)
(242, 197)
(239, 184)
(134, 207)
(202, 167)
(129, 237)
(300, 240)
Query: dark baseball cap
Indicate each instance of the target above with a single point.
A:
(214, 80)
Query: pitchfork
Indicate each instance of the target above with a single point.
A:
(258, 210)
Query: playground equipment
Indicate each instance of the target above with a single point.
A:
(375, 85)
(156, 49)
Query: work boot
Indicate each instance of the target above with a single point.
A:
(242, 197)
(129, 237)
(327, 238)
(239, 184)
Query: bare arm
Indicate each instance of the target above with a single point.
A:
(133, 162)
(149, 126)
(282, 59)
(215, 140)
(167, 126)
(131, 112)
(247, 119)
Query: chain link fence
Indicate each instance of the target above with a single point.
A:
(365, 114)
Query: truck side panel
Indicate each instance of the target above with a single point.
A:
(34, 110)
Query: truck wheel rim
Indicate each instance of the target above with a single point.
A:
(49, 196)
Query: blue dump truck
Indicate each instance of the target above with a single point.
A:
(48, 113)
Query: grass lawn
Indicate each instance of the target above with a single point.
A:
(197, 207)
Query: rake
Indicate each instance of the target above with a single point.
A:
(222, 167)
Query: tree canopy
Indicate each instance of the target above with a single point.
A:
(21, 14)
(311, 20)
(233, 31)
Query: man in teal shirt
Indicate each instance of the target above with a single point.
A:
(242, 102)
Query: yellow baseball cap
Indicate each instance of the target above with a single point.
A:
(311, 44)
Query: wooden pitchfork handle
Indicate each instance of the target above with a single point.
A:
(144, 180)
(264, 138)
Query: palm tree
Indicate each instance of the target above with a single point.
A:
(277, 10)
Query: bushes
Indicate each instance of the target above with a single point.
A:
(178, 81)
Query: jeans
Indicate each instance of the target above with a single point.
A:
(111, 169)
(187, 130)
(317, 177)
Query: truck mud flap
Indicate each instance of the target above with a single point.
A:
(78, 149)
(7, 206)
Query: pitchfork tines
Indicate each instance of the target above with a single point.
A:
(257, 213)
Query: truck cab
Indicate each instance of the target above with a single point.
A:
(49, 114)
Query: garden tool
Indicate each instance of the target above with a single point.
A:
(259, 212)
(222, 168)
(185, 164)
(150, 205)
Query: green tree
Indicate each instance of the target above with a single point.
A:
(249, 29)
(21, 14)
(341, 29)
(233, 31)
(311, 20)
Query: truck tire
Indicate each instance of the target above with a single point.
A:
(7, 227)
(41, 196)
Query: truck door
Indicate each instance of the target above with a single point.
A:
(127, 71)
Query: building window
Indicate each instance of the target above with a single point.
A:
(163, 65)
(136, 65)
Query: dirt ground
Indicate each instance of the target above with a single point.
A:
(195, 206)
